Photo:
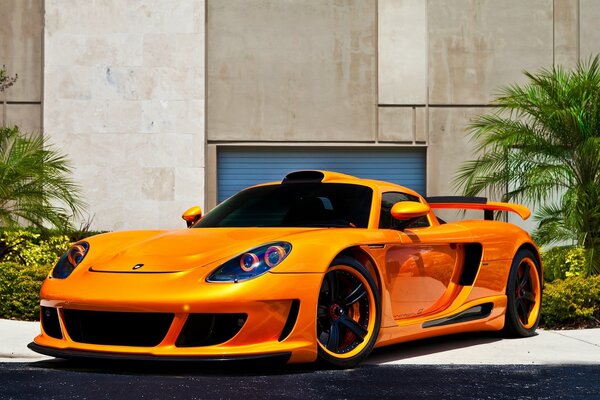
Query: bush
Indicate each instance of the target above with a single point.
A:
(563, 261)
(26, 257)
(81, 234)
(32, 247)
(574, 301)
(20, 288)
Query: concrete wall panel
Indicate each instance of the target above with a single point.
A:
(590, 34)
(124, 98)
(402, 124)
(566, 32)
(402, 42)
(421, 128)
(396, 124)
(21, 23)
(449, 145)
(27, 117)
(478, 45)
(298, 70)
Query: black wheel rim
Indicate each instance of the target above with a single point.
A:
(343, 311)
(526, 296)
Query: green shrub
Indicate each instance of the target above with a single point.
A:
(563, 261)
(19, 290)
(572, 301)
(81, 234)
(32, 247)
(26, 257)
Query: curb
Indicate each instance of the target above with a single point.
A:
(16, 335)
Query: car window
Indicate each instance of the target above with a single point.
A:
(294, 205)
(386, 221)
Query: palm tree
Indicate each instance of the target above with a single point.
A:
(542, 142)
(35, 183)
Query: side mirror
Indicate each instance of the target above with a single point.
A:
(192, 215)
(405, 210)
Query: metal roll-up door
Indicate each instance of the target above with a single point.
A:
(240, 167)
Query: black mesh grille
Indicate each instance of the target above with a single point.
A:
(210, 329)
(50, 322)
(117, 328)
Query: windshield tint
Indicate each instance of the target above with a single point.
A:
(294, 205)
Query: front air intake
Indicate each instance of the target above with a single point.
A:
(210, 329)
(50, 324)
(117, 328)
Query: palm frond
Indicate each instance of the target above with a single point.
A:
(35, 183)
(543, 140)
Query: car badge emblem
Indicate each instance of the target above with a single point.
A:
(138, 266)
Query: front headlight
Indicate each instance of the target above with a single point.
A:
(71, 259)
(252, 263)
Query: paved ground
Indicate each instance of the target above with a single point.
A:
(551, 365)
(14, 337)
(60, 380)
(548, 347)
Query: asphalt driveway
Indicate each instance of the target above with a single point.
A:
(551, 365)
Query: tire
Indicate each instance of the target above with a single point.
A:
(348, 314)
(524, 296)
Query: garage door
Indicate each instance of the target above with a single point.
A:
(240, 167)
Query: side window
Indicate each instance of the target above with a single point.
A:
(386, 221)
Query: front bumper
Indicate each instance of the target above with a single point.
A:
(267, 301)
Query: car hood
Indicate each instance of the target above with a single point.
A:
(177, 250)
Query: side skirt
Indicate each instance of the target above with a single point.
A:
(471, 314)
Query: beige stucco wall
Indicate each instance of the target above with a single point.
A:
(448, 146)
(124, 83)
(475, 47)
(402, 42)
(566, 32)
(589, 15)
(21, 33)
(124, 98)
(402, 71)
(299, 70)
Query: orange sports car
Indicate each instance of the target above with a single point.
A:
(320, 266)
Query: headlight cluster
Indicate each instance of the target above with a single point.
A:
(252, 263)
(71, 259)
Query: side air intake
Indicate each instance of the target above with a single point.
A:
(473, 254)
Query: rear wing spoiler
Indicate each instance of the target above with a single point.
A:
(477, 203)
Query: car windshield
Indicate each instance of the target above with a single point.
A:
(294, 205)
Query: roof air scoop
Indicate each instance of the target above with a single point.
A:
(304, 177)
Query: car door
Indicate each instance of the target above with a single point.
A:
(420, 268)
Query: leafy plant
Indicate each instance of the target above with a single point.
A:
(543, 140)
(572, 301)
(30, 247)
(35, 183)
(6, 81)
(19, 290)
(563, 261)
